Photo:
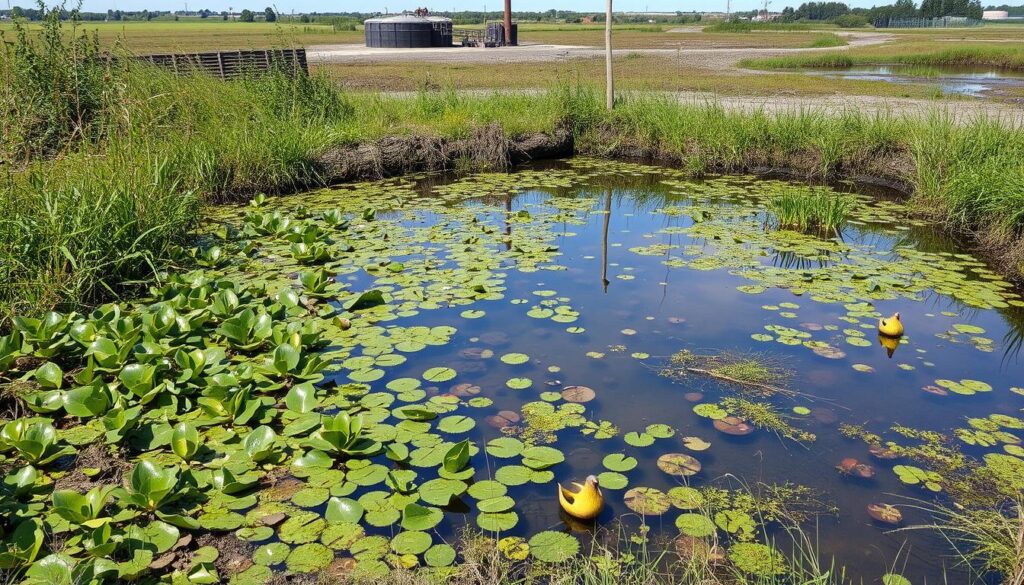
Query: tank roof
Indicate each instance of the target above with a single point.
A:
(399, 18)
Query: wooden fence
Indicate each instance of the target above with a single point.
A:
(232, 64)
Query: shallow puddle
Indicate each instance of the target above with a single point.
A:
(950, 80)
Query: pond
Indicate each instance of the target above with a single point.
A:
(595, 274)
(492, 335)
(969, 81)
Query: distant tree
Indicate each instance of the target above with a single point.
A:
(820, 10)
(223, 14)
(17, 12)
(269, 15)
(304, 18)
(247, 16)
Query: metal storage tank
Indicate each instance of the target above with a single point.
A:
(495, 36)
(403, 31)
(442, 33)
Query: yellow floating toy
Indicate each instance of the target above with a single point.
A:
(585, 503)
(891, 327)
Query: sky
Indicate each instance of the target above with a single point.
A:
(286, 6)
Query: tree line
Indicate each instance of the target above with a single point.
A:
(838, 12)
(842, 14)
(35, 14)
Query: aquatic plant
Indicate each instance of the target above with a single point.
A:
(755, 373)
(989, 540)
(764, 415)
(810, 210)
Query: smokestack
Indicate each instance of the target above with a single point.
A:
(508, 23)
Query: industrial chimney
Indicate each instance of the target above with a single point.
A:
(508, 23)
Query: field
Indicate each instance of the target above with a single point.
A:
(328, 328)
(681, 58)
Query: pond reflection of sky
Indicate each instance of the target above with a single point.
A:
(672, 309)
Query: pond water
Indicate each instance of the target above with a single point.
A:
(502, 291)
(970, 81)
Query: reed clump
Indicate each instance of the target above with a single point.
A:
(810, 210)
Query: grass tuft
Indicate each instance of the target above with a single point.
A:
(810, 210)
(827, 40)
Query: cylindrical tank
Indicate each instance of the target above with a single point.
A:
(442, 33)
(403, 31)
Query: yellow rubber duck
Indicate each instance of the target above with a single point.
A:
(586, 502)
(891, 327)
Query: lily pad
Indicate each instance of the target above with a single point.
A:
(647, 501)
(309, 557)
(619, 462)
(578, 394)
(679, 464)
(697, 525)
(553, 547)
(411, 543)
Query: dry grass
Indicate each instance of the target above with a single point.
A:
(634, 72)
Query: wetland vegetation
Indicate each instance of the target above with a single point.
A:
(386, 379)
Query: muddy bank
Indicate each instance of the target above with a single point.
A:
(892, 168)
(488, 148)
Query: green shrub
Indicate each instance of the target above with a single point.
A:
(850, 21)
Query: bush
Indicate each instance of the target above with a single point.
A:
(850, 21)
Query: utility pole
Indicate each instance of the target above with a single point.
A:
(610, 98)
(727, 9)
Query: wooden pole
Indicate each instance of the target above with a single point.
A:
(608, 56)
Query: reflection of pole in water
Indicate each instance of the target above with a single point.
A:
(604, 238)
(508, 222)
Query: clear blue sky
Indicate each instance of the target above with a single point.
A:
(286, 6)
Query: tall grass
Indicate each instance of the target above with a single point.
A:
(810, 210)
(991, 541)
(54, 89)
(108, 163)
(1008, 57)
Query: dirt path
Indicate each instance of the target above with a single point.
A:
(720, 61)
(718, 58)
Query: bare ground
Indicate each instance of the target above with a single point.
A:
(714, 58)
(716, 61)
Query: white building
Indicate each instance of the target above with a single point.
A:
(995, 15)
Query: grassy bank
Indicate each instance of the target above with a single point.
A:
(108, 169)
(1010, 58)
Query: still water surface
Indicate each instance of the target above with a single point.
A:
(627, 244)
